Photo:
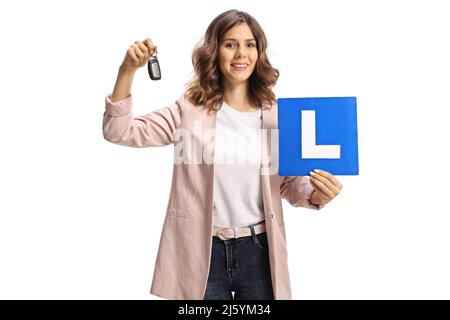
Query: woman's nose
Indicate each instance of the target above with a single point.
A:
(240, 51)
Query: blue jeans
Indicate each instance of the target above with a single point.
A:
(240, 265)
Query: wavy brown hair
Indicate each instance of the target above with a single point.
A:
(206, 87)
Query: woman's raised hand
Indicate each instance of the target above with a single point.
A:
(138, 55)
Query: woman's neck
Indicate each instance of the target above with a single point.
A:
(236, 96)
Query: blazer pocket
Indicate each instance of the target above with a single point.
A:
(174, 213)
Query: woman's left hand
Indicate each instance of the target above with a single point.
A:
(326, 187)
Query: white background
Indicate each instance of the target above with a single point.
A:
(81, 217)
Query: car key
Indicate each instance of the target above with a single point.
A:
(153, 68)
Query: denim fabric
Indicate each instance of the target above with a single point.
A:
(240, 265)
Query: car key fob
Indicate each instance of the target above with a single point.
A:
(153, 68)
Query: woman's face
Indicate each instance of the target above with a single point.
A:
(237, 47)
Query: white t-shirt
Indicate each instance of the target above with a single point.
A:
(237, 181)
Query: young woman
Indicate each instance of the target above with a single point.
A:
(224, 230)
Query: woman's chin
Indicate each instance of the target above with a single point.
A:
(238, 78)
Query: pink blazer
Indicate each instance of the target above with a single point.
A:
(183, 259)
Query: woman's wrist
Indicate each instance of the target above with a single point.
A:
(126, 71)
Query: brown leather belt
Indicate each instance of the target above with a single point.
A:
(235, 233)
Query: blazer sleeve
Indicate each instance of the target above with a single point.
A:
(297, 191)
(153, 129)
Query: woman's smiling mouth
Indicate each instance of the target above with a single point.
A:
(239, 66)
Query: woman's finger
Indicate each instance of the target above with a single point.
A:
(322, 187)
(151, 48)
(329, 176)
(138, 52)
(326, 182)
(133, 56)
(143, 48)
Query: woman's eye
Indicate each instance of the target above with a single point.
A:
(228, 45)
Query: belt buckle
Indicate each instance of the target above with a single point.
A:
(222, 236)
